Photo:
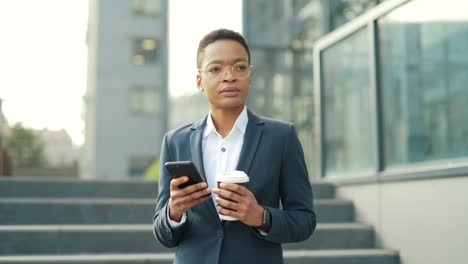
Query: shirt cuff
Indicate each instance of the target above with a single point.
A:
(262, 232)
(173, 223)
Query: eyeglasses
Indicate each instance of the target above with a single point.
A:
(240, 70)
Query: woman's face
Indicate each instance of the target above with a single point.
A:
(228, 88)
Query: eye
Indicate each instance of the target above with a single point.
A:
(242, 67)
(215, 69)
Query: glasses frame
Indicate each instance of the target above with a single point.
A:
(232, 71)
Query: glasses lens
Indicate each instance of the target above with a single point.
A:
(214, 70)
(241, 70)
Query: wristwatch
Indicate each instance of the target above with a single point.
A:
(266, 223)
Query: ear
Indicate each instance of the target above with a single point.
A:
(199, 83)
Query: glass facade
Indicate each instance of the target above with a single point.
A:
(282, 74)
(347, 109)
(281, 35)
(420, 68)
(343, 11)
(424, 77)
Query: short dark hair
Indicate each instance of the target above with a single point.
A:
(217, 35)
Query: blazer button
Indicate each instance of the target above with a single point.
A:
(220, 234)
(223, 149)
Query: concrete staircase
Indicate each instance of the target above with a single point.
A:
(73, 221)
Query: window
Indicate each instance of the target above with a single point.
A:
(347, 106)
(145, 51)
(423, 69)
(144, 100)
(147, 7)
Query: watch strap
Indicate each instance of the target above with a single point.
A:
(266, 223)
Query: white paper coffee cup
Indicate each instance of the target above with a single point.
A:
(237, 177)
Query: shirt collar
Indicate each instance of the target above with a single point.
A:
(241, 123)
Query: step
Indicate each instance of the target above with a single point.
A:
(353, 256)
(368, 256)
(71, 239)
(142, 258)
(39, 211)
(52, 187)
(131, 188)
(323, 190)
(334, 210)
(59, 211)
(338, 236)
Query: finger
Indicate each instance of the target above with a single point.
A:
(235, 188)
(227, 194)
(187, 198)
(183, 195)
(228, 212)
(227, 204)
(193, 188)
(184, 202)
(197, 201)
(178, 181)
(176, 194)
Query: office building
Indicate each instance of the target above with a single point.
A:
(391, 87)
(281, 35)
(126, 100)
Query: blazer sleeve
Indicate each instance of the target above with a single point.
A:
(167, 235)
(296, 220)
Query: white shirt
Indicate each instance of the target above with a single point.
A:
(220, 155)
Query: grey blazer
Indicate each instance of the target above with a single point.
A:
(272, 156)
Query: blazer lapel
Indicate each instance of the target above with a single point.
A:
(196, 150)
(253, 134)
(196, 146)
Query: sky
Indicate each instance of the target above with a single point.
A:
(189, 21)
(43, 56)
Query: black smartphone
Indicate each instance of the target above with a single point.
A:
(184, 168)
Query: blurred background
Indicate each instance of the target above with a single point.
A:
(376, 88)
(88, 88)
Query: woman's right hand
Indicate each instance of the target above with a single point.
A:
(183, 199)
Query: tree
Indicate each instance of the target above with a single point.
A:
(24, 147)
(152, 173)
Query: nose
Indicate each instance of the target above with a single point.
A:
(228, 74)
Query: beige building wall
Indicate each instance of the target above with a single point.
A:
(426, 220)
(58, 148)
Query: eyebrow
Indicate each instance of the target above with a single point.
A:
(221, 61)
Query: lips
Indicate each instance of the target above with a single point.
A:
(230, 91)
